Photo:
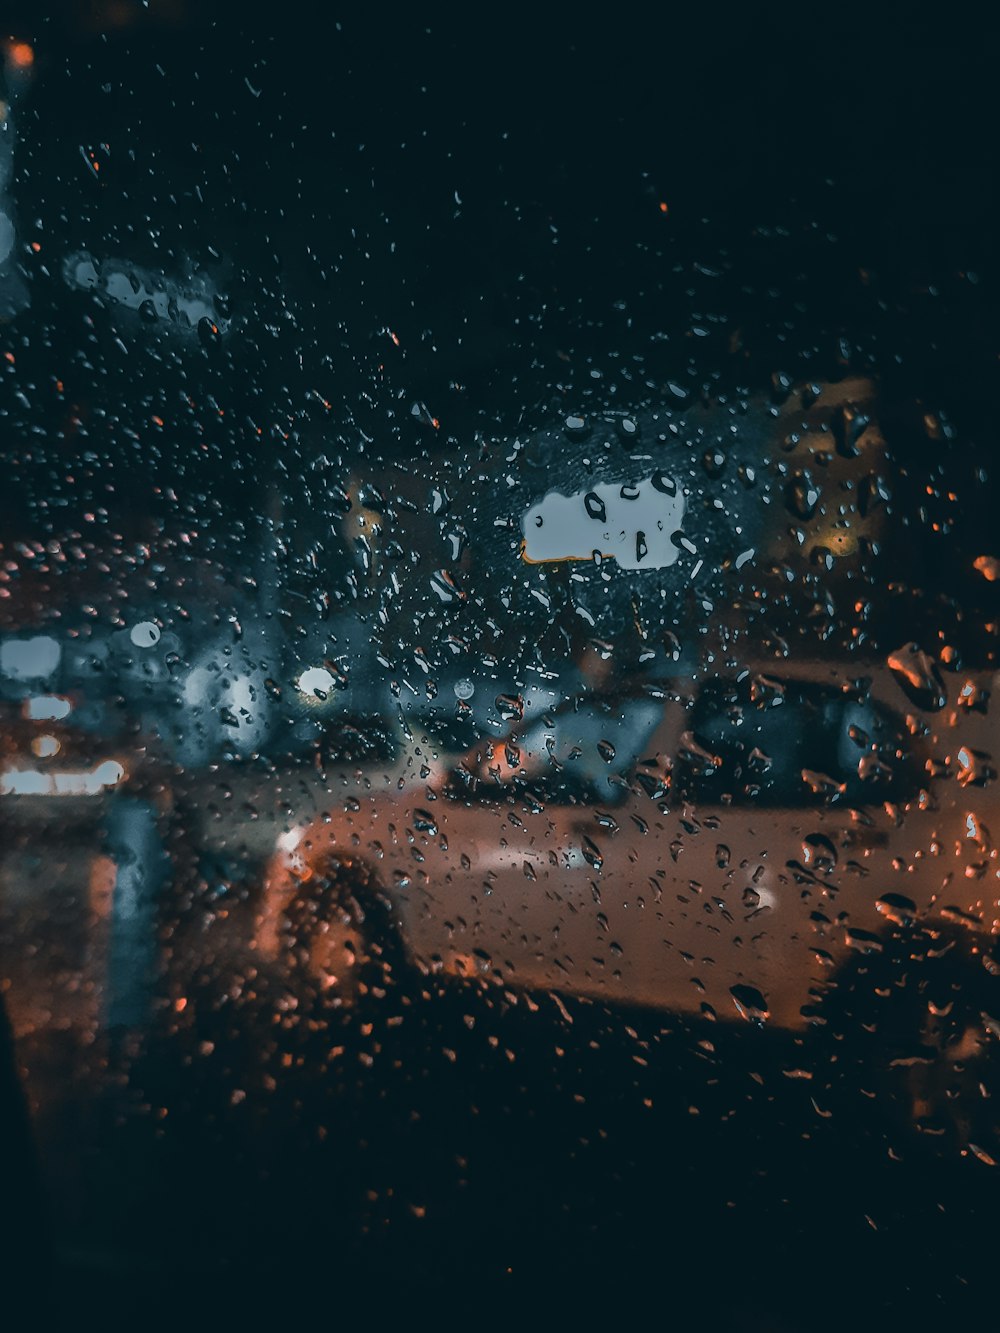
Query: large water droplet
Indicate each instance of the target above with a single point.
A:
(595, 507)
(750, 1003)
(802, 495)
(818, 853)
(918, 677)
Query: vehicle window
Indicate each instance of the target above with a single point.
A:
(772, 742)
(578, 752)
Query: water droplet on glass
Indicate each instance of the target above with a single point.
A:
(595, 507)
(510, 707)
(918, 677)
(714, 462)
(818, 853)
(750, 1003)
(802, 495)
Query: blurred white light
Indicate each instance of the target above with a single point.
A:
(31, 782)
(145, 635)
(290, 839)
(315, 681)
(197, 685)
(47, 708)
(241, 694)
(634, 525)
(109, 773)
(29, 659)
(25, 782)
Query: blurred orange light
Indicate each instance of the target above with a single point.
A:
(21, 55)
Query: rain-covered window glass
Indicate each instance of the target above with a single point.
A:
(499, 621)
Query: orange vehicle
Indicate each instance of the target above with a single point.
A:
(718, 848)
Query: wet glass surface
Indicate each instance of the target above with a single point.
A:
(498, 621)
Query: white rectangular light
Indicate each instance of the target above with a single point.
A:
(34, 782)
(47, 708)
